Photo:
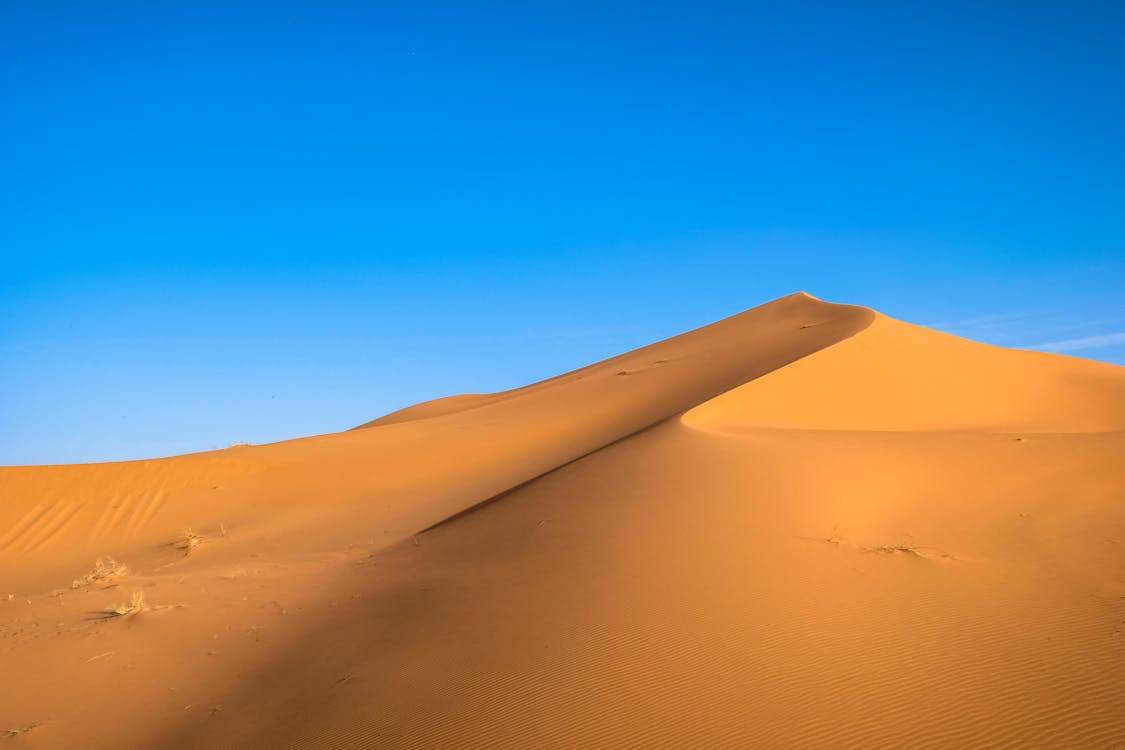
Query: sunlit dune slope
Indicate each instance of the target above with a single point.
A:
(898, 376)
(437, 408)
(807, 525)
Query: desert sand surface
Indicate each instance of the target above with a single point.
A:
(807, 525)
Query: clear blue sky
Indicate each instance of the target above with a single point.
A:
(235, 221)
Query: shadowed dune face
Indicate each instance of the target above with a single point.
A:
(803, 526)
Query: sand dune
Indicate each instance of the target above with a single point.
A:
(807, 525)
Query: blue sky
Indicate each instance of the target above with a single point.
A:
(226, 222)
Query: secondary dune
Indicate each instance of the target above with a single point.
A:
(807, 525)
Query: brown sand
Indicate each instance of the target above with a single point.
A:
(807, 525)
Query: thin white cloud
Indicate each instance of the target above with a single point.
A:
(997, 320)
(1073, 345)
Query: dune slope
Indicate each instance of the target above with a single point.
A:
(806, 525)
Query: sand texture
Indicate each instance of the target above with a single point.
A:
(807, 525)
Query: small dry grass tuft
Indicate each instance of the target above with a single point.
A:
(892, 549)
(105, 569)
(910, 550)
(923, 553)
(188, 541)
(134, 606)
(17, 731)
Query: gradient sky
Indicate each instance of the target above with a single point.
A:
(243, 222)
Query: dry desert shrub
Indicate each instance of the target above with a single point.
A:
(105, 569)
(135, 605)
(188, 541)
